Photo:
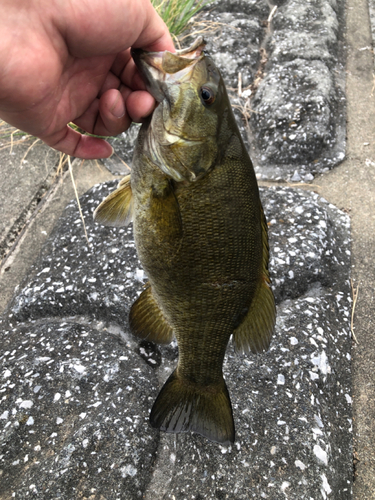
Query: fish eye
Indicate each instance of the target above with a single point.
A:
(208, 95)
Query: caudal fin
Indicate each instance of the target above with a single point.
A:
(182, 407)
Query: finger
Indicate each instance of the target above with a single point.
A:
(88, 119)
(118, 110)
(164, 42)
(126, 70)
(139, 105)
(106, 116)
(155, 35)
(132, 77)
(113, 118)
(111, 82)
(73, 143)
(120, 62)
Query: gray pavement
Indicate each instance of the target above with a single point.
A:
(35, 164)
(352, 186)
(24, 239)
(26, 222)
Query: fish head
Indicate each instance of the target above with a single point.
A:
(183, 139)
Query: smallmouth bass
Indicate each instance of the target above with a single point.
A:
(201, 237)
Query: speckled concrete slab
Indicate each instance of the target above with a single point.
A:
(290, 104)
(299, 108)
(76, 389)
(73, 413)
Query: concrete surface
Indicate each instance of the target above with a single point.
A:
(292, 405)
(350, 186)
(27, 171)
(26, 236)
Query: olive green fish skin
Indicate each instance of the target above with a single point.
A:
(200, 235)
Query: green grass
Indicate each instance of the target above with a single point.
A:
(177, 13)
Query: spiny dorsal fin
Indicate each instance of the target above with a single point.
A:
(147, 321)
(255, 331)
(117, 209)
(183, 406)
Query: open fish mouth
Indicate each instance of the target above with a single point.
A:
(161, 68)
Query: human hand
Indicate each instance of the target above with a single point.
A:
(65, 61)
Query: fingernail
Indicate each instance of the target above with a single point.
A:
(118, 109)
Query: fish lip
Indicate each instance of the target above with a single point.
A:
(159, 68)
(146, 71)
(192, 52)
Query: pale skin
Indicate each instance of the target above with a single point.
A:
(67, 61)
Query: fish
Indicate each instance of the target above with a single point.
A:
(201, 237)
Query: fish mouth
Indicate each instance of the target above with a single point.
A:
(159, 69)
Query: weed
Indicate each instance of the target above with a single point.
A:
(177, 13)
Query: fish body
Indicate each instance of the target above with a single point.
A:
(201, 237)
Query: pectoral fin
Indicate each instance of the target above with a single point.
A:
(147, 320)
(255, 331)
(116, 210)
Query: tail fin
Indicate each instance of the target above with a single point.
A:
(182, 406)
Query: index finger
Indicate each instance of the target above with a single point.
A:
(126, 70)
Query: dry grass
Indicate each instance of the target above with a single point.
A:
(205, 27)
(77, 198)
(10, 137)
(8, 141)
(355, 291)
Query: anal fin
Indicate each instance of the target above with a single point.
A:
(147, 320)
